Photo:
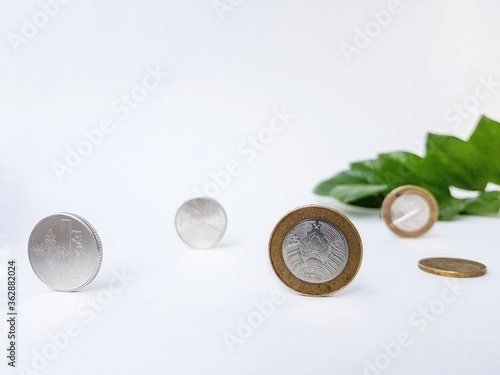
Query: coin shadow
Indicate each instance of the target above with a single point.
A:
(349, 291)
(95, 285)
(224, 245)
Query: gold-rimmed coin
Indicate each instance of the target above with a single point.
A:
(315, 250)
(452, 267)
(410, 211)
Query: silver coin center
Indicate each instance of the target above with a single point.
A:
(315, 251)
(201, 222)
(410, 212)
(65, 252)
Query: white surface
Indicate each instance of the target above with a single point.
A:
(226, 78)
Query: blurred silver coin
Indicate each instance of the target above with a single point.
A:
(410, 211)
(65, 252)
(201, 222)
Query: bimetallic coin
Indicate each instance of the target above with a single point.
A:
(315, 250)
(201, 222)
(410, 211)
(452, 267)
(65, 252)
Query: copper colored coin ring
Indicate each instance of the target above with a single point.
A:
(452, 267)
(329, 217)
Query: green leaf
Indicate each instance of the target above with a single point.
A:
(370, 167)
(450, 207)
(354, 187)
(486, 138)
(459, 163)
(393, 169)
(345, 178)
(485, 204)
(449, 161)
(404, 168)
(374, 201)
(352, 193)
(399, 168)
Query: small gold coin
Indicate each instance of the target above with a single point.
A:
(410, 211)
(452, 267)
(315, 250)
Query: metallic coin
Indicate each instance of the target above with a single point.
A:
(65, 252)
(201, 222)
(410, 211)
(452, 267)
(315, 250)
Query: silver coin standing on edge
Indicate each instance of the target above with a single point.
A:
(201, 222)
(65, 252)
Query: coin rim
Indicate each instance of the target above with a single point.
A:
(451, 273)
(354, 244)
(404, 190)
(97, 240)
(222, 233)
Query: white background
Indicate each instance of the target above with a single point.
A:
(227, 75)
